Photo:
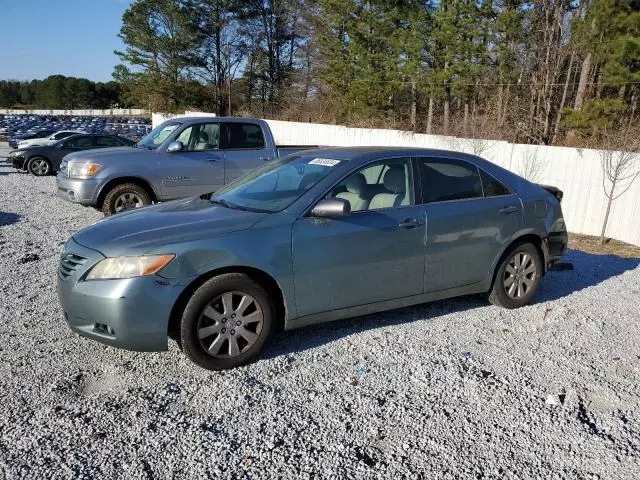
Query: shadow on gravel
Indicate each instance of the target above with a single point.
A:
(589, 270)
(7, 218)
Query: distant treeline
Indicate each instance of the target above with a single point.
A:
(60, 92)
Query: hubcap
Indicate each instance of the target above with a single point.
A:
(230, 324)
(519, 275)
(40, 167)
(127, 201)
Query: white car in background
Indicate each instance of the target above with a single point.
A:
(39, 142)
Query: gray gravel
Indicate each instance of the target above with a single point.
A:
(453, 389)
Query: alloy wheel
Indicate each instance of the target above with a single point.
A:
(40, 167)
(519, 275)
(128, 201)
(230, 324)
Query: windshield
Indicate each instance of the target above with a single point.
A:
(277, 185)
(158, 135)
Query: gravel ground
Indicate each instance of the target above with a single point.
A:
(453, 389)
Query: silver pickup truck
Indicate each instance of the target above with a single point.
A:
(181, 157)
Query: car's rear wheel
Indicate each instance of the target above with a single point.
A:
(125, 197)
(226, 322)
(518, 277)
(39, 166)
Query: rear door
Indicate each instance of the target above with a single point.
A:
(470, 217)
(199, 167)
(244, 148)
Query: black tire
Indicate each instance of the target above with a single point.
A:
(114, 197)
(39, 166)
(502, 286)
(209, 298)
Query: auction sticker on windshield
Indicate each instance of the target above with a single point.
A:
(326, 162)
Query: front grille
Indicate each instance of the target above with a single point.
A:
(63, 169)
(69, 263)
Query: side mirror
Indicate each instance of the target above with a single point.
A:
(175, 147)
(331, 208)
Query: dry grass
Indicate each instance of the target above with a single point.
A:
(590, 244)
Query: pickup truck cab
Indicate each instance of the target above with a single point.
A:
(182, 157)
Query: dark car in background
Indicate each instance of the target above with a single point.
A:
(46, 159)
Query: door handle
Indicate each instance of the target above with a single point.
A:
(509, 209)
(265, 159)
(408, 223)
(213, 159)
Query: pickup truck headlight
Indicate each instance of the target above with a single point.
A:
(128, 267)
(83, 169)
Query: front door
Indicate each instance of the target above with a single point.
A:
(376, 253)
(470, 217)
(198, 168)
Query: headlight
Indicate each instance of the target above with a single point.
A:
(128, 267)
(83, 169)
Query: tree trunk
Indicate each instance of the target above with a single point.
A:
(430, 114)
(466, 117)
(582, 83)
(564, 98)
(446, 111)
(414, 102)
(606, 215)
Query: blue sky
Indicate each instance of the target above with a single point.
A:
(76, 38)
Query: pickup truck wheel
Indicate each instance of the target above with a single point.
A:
(39, 166)
(125, 197)
(226, 322)
(517, 278)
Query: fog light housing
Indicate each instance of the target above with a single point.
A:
(103, 329)
(72, 195)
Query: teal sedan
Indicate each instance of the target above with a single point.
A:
(317, 236)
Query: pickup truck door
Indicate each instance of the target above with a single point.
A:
(198, 168)
(244, 148)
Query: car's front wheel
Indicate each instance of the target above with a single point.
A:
(226, 322)
(39, 166)
(518, 277)
(123, 197)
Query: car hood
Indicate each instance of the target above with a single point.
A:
(153, 229)
(111, 154)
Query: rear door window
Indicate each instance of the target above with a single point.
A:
(448, 179)
(492, 186)
(107, 142)
(243, 136)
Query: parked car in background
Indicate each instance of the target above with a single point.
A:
(46, 159)
(13, 141)
(180, 158)
(36, 142)
(314, 237)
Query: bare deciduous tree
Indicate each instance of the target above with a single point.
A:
(532, 166)
(620, 168)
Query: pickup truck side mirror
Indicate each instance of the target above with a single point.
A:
(331, 208)
(175, 147)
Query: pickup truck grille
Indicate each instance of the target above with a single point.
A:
(69, 263)
(63, 169)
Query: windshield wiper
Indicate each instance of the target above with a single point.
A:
(233, 206)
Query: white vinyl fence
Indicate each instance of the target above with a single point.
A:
(577, 172)
(107, 112)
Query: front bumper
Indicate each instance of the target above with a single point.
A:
(132, 314)
(18, 162)
(84, 192)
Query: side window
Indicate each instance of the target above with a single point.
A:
(492, 187)
(384, 184)
(78, 143)
(243, 136)
(200, 137)
(444, 179)
(107, 142)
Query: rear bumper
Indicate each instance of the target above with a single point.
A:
(84, 192)
(556, 246)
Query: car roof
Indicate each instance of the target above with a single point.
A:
(370, 153)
